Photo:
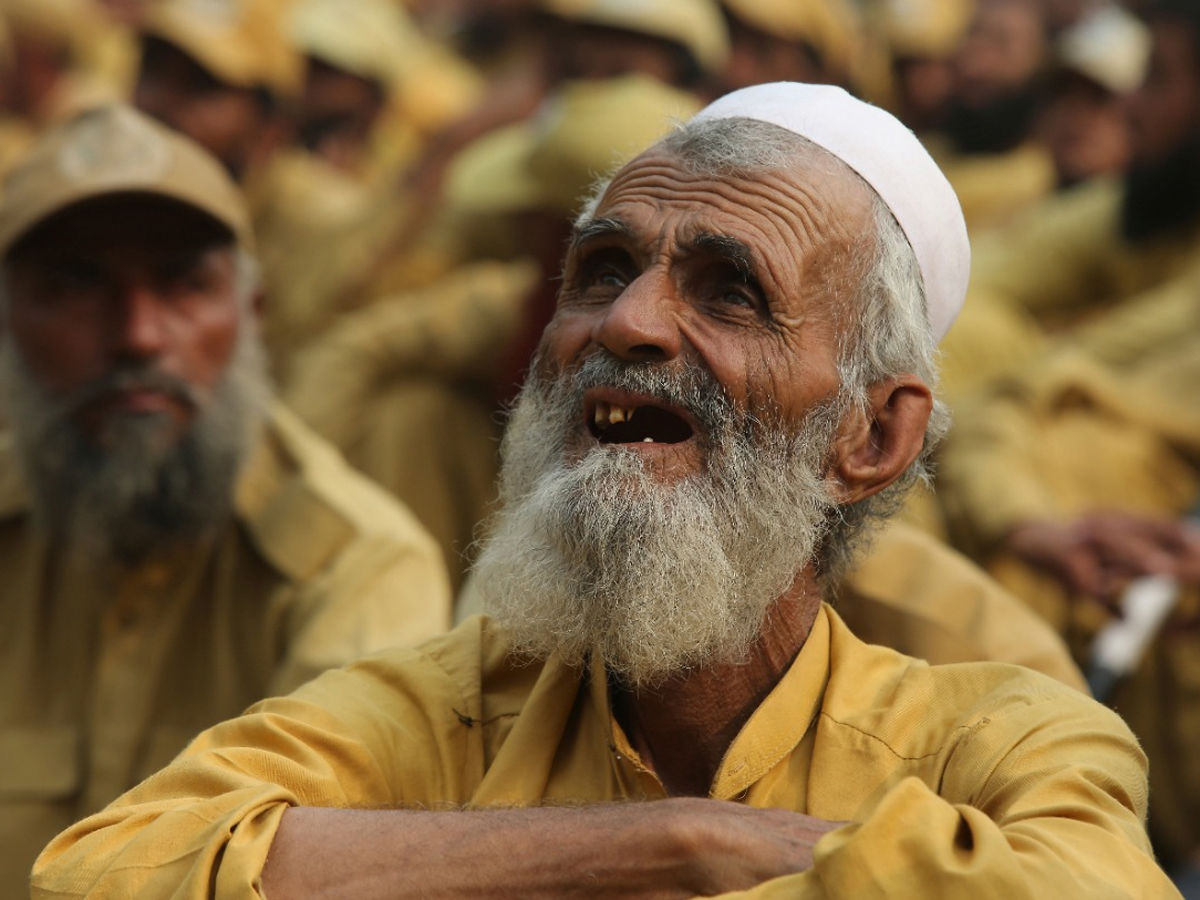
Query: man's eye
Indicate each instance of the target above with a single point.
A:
(186, 277)
(738, 298)
(610, 278)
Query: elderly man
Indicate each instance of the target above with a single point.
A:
(737, 376)
(174, 544)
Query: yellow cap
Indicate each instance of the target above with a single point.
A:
(832, 27)
(924, 28)
(695, 24)
(1108, 45)
(369, 38)
(241, 42)
(115, 150)
(583, 132)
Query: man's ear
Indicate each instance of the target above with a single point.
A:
(876, 446)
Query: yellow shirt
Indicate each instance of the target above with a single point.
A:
(914, 594)
(961, 781)
(993, 188)
(1071, 437)
(104, 678)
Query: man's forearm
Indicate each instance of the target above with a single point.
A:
(671, 848)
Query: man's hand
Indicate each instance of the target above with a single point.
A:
(663, 849)
(1099, 552)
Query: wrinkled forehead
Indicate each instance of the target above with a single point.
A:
(814, 199)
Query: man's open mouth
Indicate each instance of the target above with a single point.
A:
(612, 423)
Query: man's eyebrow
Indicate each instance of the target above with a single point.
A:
(598, 228)
(729, 248)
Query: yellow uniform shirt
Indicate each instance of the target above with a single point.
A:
(993, 188)
(104, 678)
(914, 594)
(958, 781)
(1073, 437)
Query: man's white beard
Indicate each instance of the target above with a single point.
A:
(136, 489)
(601, 554)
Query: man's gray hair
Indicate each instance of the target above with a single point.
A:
(886, 334)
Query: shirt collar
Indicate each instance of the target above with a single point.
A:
(773, 730)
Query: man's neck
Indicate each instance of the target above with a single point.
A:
(682, 728)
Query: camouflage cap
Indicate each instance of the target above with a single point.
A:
(695, 25)
(115, 150)
(241, 42)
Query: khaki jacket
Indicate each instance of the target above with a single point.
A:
(104, 677)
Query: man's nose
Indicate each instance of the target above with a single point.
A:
(139, 327)
(643, 322)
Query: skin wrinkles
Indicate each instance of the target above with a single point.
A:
(641, 276)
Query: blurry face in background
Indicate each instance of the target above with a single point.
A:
(997, 77)
(587, 51)
(759, 58)
(1003, 51)
(925, 86)
(1165, 111)
(37, 69)
(1085, 128)
(229, 122)
(125, 283)
(132, 372)
(1162, 185)
(337, 114)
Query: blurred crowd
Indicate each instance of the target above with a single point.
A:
(411, 169)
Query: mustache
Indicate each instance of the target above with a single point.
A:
(687, 386)
(127, 377)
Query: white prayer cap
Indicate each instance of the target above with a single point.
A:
(888, 156)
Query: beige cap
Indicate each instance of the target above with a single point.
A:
(115, 150)
(369, 38)
(1110, 46)
(924, 28)
(580, 134)
(242, 42)
(695, 24)
(832, 27)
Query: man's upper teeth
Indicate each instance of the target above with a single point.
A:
(607, 414)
